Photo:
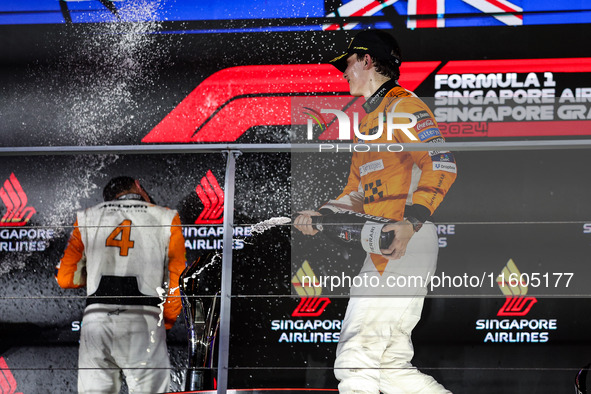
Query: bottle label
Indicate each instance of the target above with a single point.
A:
(370, 237)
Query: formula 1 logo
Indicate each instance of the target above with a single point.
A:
(347, 120)
(7, 380)
(233, 100)
(511, 284)
(310, 305)
(212, 196)
(14, 198)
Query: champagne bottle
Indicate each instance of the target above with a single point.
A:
(355, 229)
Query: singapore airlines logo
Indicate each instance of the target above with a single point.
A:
(212, 196)
(511, 284)
(14, 198)
(311, 304)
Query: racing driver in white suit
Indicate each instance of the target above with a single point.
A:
(129, 253)
(375, 349)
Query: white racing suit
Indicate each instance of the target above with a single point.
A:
(128, 339)
(129, 255)
(375, 349)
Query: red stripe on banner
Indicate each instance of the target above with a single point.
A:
(7, 381)
(180, 124)
(301, 307)
(212, 196)
(566, 65)
(238, 116)
(305, 307)
(413, 74)
(511, 304)
(539, 128)
(9, 204)
(505, 8)
(19, 190)
(311, 306)
(517, 306)
(427, 7)
(219, 192)
(532, 301)
(14, 198)
(365, 9)
(360, 12)
(210, 107)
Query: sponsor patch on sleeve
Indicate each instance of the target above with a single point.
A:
(444, 162)
(429, 133)
(438, 140)
(422, 115)
(446, 157)
(423, 124)
(447, 167)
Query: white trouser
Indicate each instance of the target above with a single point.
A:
(123, 338)
(375, 347)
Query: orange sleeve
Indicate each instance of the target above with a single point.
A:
(71, 270)
(353, 181)
(438, 169)
(176, 265)
(350, 198)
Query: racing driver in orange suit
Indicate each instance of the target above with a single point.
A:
(129, 253)
(375, 349)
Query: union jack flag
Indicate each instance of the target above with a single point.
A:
(463, 13)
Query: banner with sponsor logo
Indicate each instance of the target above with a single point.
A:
(500, 98)
(470, 99)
